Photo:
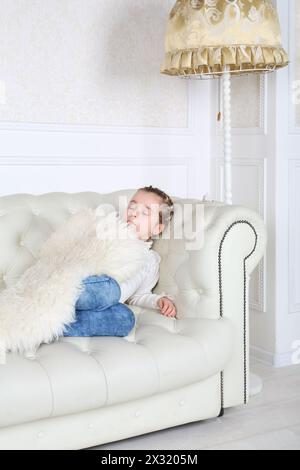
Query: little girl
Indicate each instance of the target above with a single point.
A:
(100, 309)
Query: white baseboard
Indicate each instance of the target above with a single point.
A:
(271, 359)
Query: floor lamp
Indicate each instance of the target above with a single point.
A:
(219, 39)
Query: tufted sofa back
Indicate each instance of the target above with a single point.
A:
(26, 221)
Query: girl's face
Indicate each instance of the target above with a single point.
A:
(143, 213)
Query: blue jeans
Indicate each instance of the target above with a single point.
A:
(98, 310)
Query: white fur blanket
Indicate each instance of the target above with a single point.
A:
(36, 309)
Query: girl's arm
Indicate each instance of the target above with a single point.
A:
(142, 296)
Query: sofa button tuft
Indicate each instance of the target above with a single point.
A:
(137, 413)
(181, 402)
(40, 434)
(90, 426)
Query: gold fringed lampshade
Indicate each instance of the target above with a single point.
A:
(207, 37)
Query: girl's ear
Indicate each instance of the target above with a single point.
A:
(159, 229)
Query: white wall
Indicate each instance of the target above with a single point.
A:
(277, 331)
(287, 202)
(266, 177)
(83, 106)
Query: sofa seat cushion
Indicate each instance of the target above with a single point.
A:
(76, 374)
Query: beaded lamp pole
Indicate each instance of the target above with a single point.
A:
(219, 39)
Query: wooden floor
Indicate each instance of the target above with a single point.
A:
(270, 421)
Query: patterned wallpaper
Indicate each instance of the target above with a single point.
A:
(88, 62)
(97, 62)
(246, 101)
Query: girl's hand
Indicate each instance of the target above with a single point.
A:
(167, 307)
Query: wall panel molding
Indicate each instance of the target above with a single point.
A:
(294, 236)
(294, 65)
(189, 130)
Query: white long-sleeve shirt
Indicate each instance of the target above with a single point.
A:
(138, 289)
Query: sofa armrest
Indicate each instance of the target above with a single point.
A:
(213, 282)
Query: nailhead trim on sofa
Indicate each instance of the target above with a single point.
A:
(245, 308)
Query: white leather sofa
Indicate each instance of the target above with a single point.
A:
(82, 392)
